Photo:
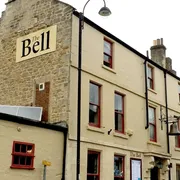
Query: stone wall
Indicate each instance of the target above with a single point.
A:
(18, 80)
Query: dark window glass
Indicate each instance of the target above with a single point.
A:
(93, 166)
(94, 105)
(119, 114)
(177, 172)
(150, 77)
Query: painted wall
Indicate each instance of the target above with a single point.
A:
(48, 146)
(126, 77)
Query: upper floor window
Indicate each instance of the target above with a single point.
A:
(94, 105)
(119, 112)
(177, 138)
(150, 77)
(152, 123)
(118, 167)
(22, 155)
(108, 53)
(179, 91)
(93, 165)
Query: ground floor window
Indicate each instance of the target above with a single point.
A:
(177, 172)
(118, 167)
(93, 165)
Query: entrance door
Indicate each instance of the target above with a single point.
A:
(155, 173)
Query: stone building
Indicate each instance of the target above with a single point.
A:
(124, 93)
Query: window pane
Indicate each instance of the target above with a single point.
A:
(17, 147)
(94, 94)
(176, 141)
(22, 160)
(118, 122)
(107, 59)
(23, 148)
(107, 47)
(92, 178)
(16, 160)
(179, 89)
(152, 132)
(118, 103)
(29, 149)
(28, 161)
(93, 114)
(118, 166)
(177, 172)
(150, 72)
(151, 115)
(92, 167)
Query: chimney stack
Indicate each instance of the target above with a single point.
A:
(158, 55)
(158, 52)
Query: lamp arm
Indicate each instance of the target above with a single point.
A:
(88, 2)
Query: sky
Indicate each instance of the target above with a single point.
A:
(137, 22)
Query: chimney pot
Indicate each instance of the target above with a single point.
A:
(161, 41)
(154, 43)
(158, 41)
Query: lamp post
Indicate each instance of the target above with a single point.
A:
(104, 11)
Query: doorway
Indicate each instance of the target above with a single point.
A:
(155, 173)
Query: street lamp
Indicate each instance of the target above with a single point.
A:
(104, 11)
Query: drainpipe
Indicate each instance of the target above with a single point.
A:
(167, 125)
(146, 94)
(64, 156)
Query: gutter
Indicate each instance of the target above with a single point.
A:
(146, 94)
(167, 125)
(64, 157)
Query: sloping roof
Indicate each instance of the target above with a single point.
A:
(25, 121)
(108, 34)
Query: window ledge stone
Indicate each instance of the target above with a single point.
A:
(95, 129)
(109, 69)
(152, 90)
(177, 149)
(116, 134)
(154, 143)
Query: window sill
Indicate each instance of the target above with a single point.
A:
(95, 129)
(120, 135)
(154, 143)
(16, 167)
(152, 90)
(177, 149)
(109, 69)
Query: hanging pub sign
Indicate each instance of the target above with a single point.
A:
(36, 44)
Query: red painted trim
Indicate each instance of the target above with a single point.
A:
(111, 52)
(98, 105)
(23, 154)
(131, 167)
(98, 168)
(123, 126)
